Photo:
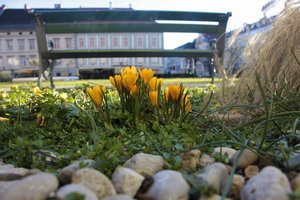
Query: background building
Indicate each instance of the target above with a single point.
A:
(19, 53)
(193, 66)
(240, 42)
(238, 45)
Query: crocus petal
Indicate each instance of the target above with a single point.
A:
(153, 98)
(133, 89)
(146, 75)
(112, 81)
(155, 83)
(95, 97)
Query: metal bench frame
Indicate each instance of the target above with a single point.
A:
(50, 21)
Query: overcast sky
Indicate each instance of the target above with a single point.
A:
(242, 11)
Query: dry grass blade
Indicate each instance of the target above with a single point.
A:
(274, 56)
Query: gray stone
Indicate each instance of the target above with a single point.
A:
(20, 171)
(75, 188)
(6, 166)
(295, 183)
(33, 171)
(35, 187)
(190, 160)
(145, 164)
(247, 158)
(205, 160)
(119, 197)
(127, 181)
(251, 171)
(215, 174)
(269, 184)
(293, 162)
(10, 177)
(237, 184)
(65, 175)
(213, 197)
(168, 184)
(95, 181)
(225, 150)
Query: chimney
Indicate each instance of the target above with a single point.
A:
(25, 6)
(110, 5)
(130, 5)
(57, 6)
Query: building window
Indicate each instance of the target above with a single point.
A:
(33, 61)
(102, 41)
(81, 42)
(103, 60)
(69, 43)
(115, 41)
(22, 60)
(9, 44)
(140, 61)
(1, 62)
(11, 61)
(93, 61)
(125, 41)
(20, 33)
(92, 42)
(31, 44)
(153, 42)
(21, 44)
(116, 61)
(81, 61)
(140, 41)
(56, 42)
(154, 60)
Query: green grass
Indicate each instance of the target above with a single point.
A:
(74, 83)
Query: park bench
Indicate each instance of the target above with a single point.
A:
(60, 21)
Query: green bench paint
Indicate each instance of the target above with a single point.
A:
(50, 21)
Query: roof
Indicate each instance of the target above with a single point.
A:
(189, 45)
(16, 19)
(22, 19)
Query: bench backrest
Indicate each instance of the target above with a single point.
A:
(49, 21)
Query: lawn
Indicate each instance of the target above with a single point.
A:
(74, 83)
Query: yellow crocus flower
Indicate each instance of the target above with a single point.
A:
(96, 94)
(186, 104)
(129, 79)
(131, 70)
(36, 90)
(14, 87)
(63, 96)
(153, 98)
(174, 91)
(166, 94)
(116, 81)
(3, 95)
(146, 75)
(154, 83)
(40, 120)
(133, 89)
(188, 107)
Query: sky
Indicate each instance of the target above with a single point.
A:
(242, 11)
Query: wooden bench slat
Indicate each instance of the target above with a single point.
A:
(75, 15)
(108, 53)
